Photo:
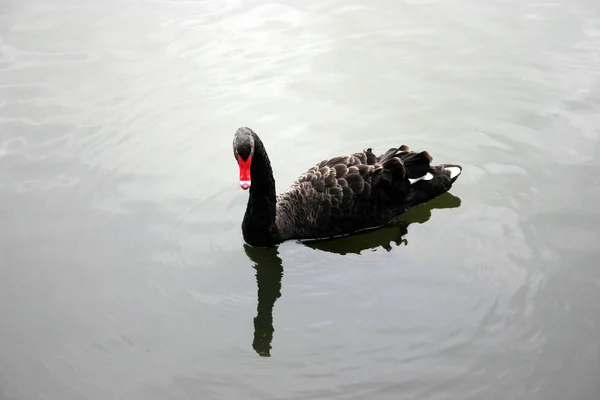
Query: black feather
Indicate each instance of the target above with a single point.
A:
(356, 183)
(319, 185)
(416, 164)
(371, 158)
(364, 170)
(330, 178)
(336, 193)
(348, 198)
(366, 193)
(340, 170)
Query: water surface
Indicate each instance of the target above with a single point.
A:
(123, 274)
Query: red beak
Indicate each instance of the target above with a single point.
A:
(244, 172)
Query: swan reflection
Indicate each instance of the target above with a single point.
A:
(269, 266)
(395, 234)
(269, 271)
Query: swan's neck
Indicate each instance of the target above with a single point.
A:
(259, 228)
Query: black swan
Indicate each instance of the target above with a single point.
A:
(336, 197)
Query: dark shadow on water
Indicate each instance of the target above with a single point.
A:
(389, 235)
(269, 266)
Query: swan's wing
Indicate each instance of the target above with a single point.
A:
(363, 176)
(350, 192)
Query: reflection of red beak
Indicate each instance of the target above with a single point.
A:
(244, 172)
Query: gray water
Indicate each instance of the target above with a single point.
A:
(123, 274)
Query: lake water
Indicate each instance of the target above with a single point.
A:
(123, 274)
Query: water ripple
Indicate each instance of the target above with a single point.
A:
(122, 244)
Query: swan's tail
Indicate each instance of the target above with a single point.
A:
(438, 180)
(415, 165)
(426, 181)
(455, 171)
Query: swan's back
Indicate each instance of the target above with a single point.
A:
(359, 191)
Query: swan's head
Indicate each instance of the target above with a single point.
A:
(243, 150)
